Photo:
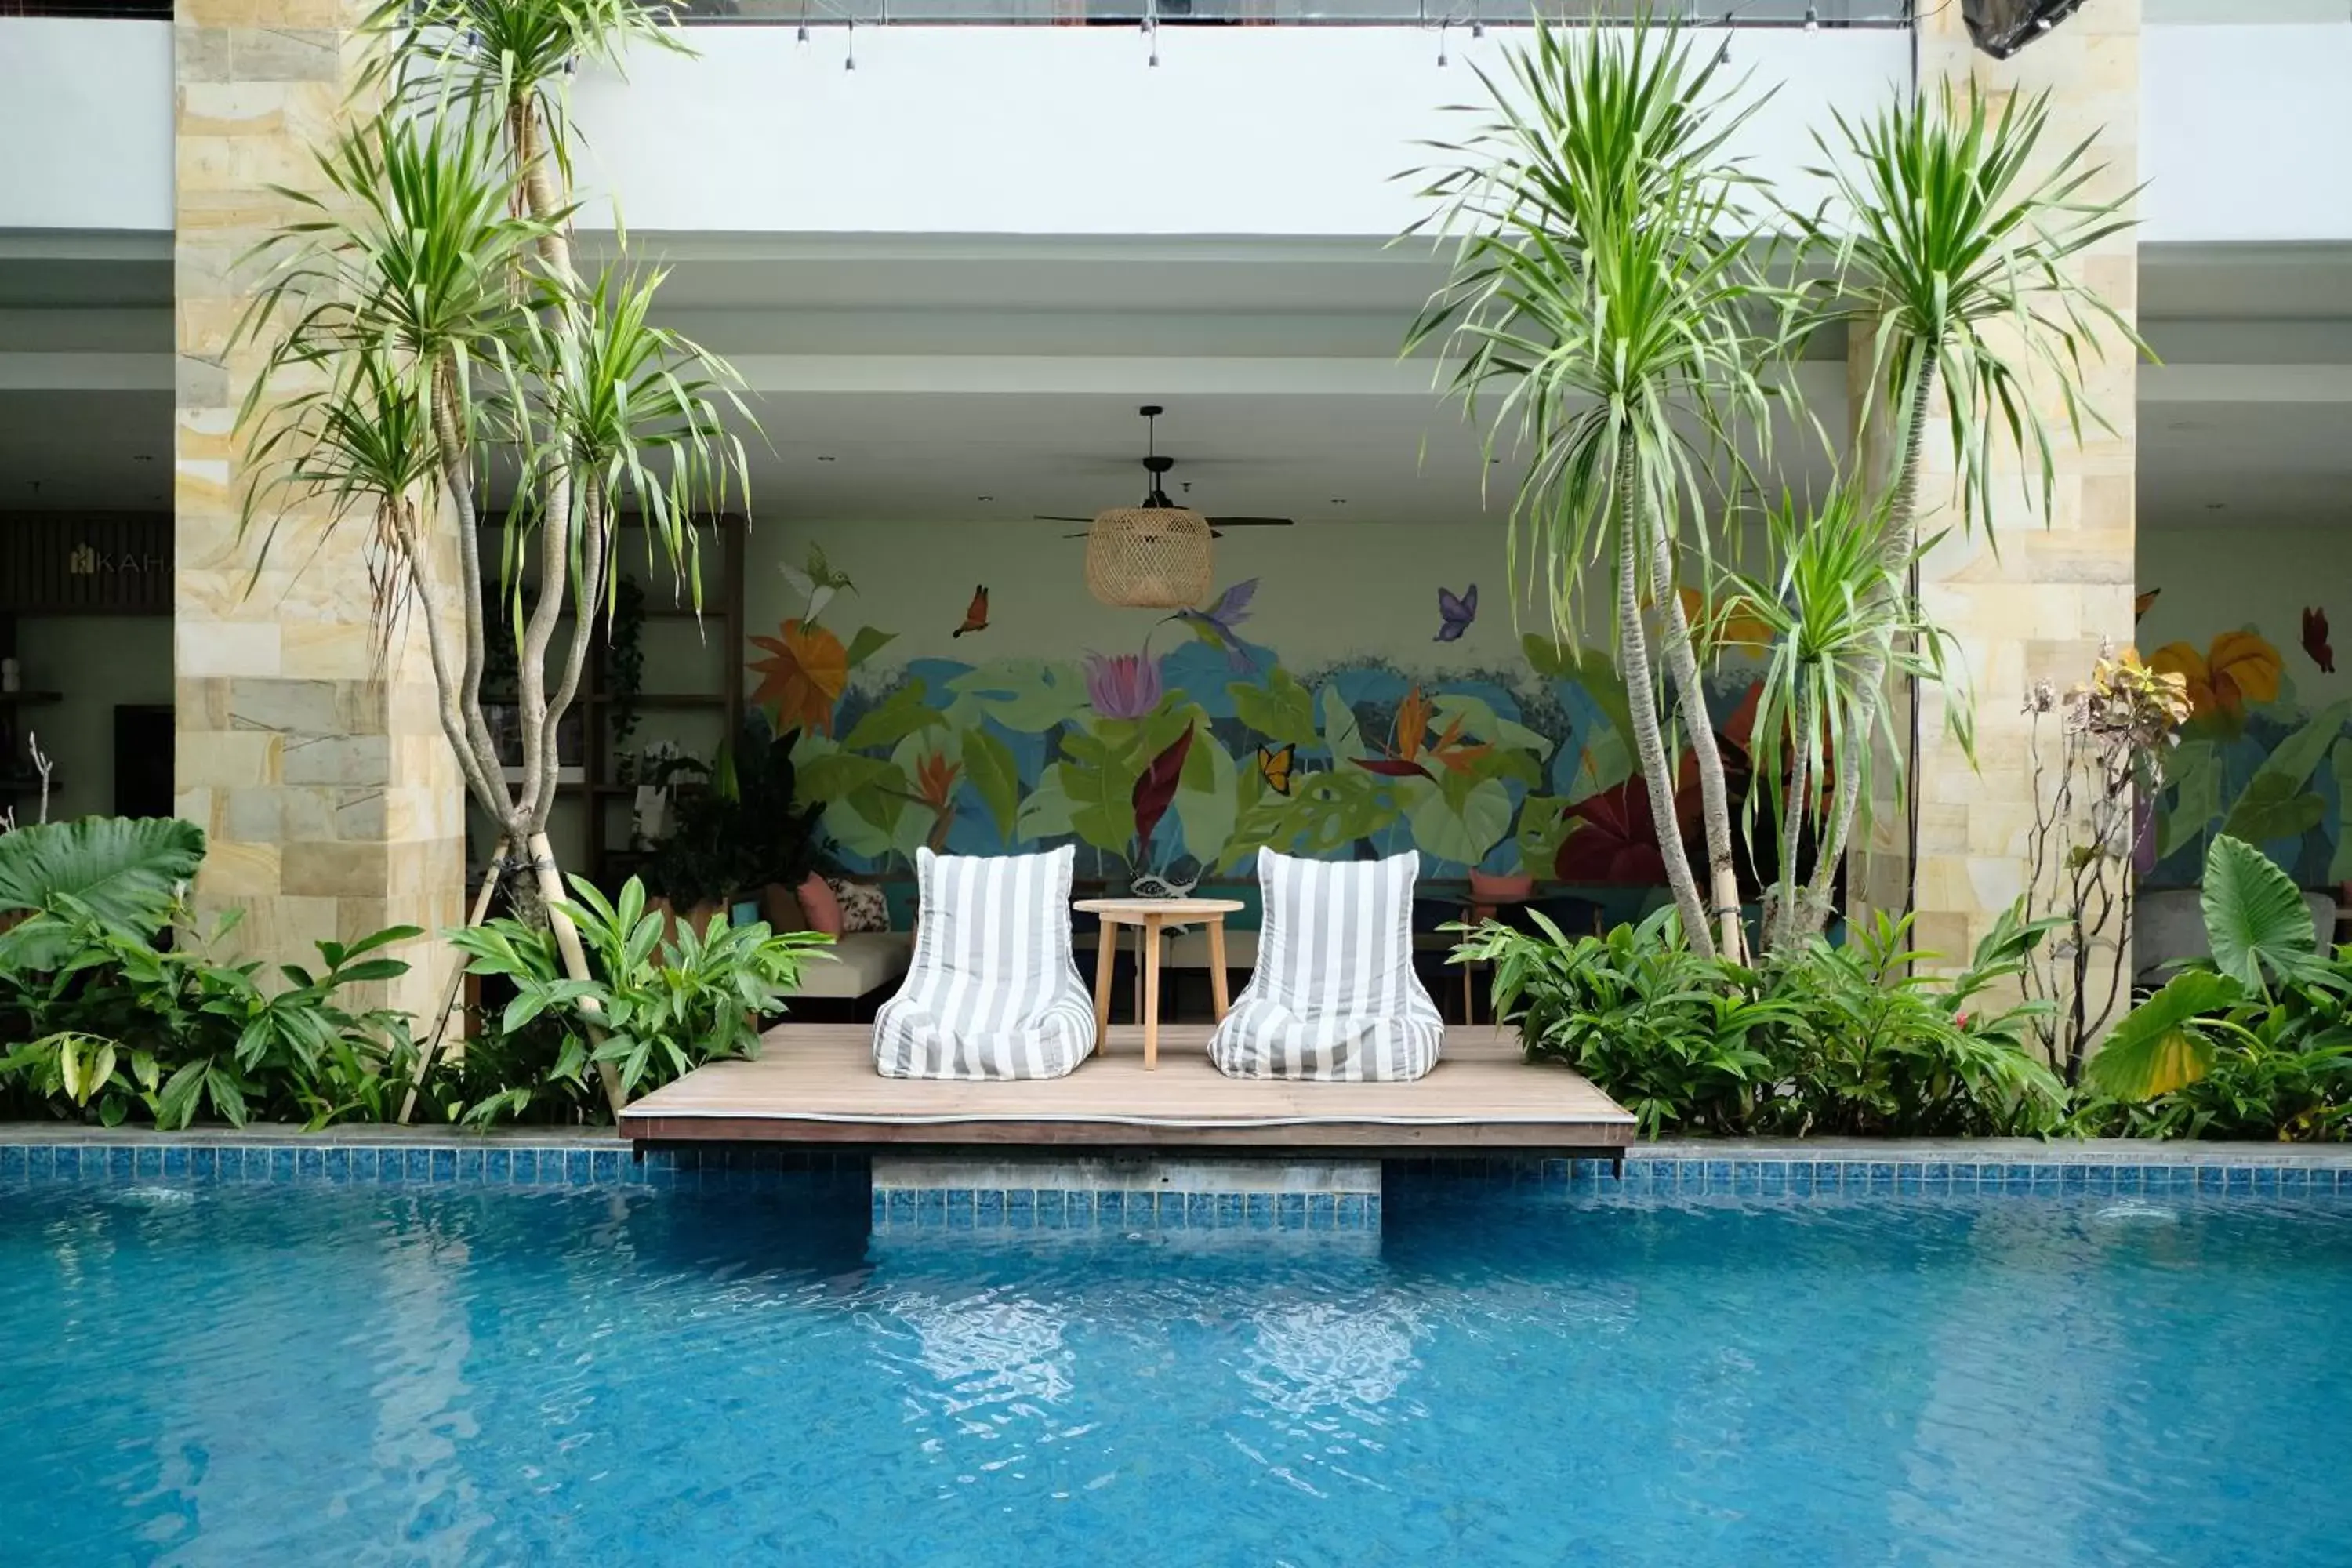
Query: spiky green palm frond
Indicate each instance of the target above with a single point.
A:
(1953, 239)
(1603, 296)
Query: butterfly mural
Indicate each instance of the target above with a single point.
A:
(975, 617)
(2315, 640)
(1216, 625)
(1276, 764)
(1454, 615)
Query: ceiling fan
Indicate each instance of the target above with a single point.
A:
(1157, 466)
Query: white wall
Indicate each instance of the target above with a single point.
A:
(86, 122)
(2243, 131)
(1243, 131)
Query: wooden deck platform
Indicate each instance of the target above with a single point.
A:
(815, 1083)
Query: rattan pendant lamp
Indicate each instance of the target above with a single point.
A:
(1155, 556)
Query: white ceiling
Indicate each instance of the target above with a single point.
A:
(909, 379)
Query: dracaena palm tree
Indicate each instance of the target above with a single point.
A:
(1605, 315)
(1835, 610)
(1950, 240)
(425, 327)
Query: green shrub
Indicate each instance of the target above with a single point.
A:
(2255, 1042)
(115, 1028)
(1830, 1041)
(666, 1000)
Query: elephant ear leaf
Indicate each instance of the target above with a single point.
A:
(125, 871)
(2255, 918)
(2156, 1049)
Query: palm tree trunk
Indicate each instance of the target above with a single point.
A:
(1715, 797)
(1788, 927)
(1900, 544)
(1641, 701)
(534, 164)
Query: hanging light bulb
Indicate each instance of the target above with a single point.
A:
(1441, 46)
(1477, 26)
(802, 36)
(1723, 55)
(849, 60)
(1812, 18)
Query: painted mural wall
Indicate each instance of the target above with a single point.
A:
(2244, 613)
(1348, 689)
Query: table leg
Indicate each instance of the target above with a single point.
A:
(1106, 960)
(1469, 996)
(1150, 992)
(1218, 1002)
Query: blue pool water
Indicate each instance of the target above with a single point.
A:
(344, 1375)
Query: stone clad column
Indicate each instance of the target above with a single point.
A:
(2039, 609)
(333, 806)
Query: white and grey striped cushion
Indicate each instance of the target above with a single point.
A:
(1333, 994)
(992, 992)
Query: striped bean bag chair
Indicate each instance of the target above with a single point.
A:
(1333, 994)
(992, 992)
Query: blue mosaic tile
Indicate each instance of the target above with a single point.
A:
(575, 1167)
(1079, 1210)
(931, 1206)
(988, 1208)
(119, 1164)
(959, 1208)
(2238, 1181)
(2266, 1180)
(1259, 1210)
(1322, 1213)
(11, 1161)
(1049, 1208)
(1021, 1208)
(40, 1164)
(1201, 1210)
(604, 1167)
(69, 1161)
(310, 1164)
(1231, 1211)
(902, 1206)
(1348, 1213)
(1116, 1208)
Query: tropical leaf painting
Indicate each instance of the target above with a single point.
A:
(1472, 769)
(2254, 763)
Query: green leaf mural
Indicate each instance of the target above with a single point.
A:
(869, 641)
(987, 763)
(906, 712)
(1457, 825)
(1281, 710)
(2274, 805)
(1208, 801)
(1027, 696)
(2339, 870)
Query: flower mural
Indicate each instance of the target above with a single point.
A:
(2239, 667)
(2254, 761)
(1182, 764)
(1122, 685)
(803, 675)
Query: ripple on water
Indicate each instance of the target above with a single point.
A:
(259, 1375)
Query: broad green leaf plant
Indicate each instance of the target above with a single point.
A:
(667, 997)
(426, 326)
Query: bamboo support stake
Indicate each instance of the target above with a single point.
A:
(475, 917)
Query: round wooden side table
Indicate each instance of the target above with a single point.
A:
(1150, 917)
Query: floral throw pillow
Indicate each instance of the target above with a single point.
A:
(862, 908)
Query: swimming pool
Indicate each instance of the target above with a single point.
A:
(209, 1373)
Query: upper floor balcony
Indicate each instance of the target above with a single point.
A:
(1174, 117)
